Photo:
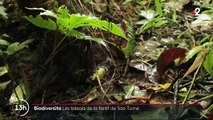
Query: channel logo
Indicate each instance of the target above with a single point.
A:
(21, 108)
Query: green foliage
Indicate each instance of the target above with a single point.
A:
(4, 85)
(131, 43)
(40, 22)
(68, 23)
(208, 63)
(16, 46)
(12, 48)
(204, 48)
(3, 13)
(3, 70)
(21, 92)
(152, 23)
(193, 52)
(158, 6)
(99, 73)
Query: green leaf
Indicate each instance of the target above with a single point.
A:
(131, 42)
(208, 63)
(3, 13)
(160, 23)
(42, 23)
(158, 7)
(99, 73)
(4, 85)
(129, 48)
(204, 39)
(63, 12)
(3, 70)
(21, 92)
(192, 52)
(191, 95)
(77, 20)
(16, 46)
(4, 42)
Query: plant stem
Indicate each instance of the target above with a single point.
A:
(190, 88)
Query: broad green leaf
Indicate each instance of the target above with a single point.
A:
(77, 20)
(192, 52)
(208, 63)
(3, 70)
(158, 7)
(4, 85)
(4, 42)
(42, 23)
(63, 12)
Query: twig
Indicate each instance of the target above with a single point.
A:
(190, 88)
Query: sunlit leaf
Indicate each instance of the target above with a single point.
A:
(99, 73)
(193, 52)
(165, 86)
(208, 63)
(4, 42)
(159, 7)
(160, 23)
(4, 85)
(42, 23)
(3, 70)
(191, 95)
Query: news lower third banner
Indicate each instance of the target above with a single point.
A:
(109, 111)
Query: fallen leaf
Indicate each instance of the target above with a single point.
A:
(167, 58)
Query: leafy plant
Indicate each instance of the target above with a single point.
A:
(203, 50)
(151, 20)
(68, 23)
(10, 49)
